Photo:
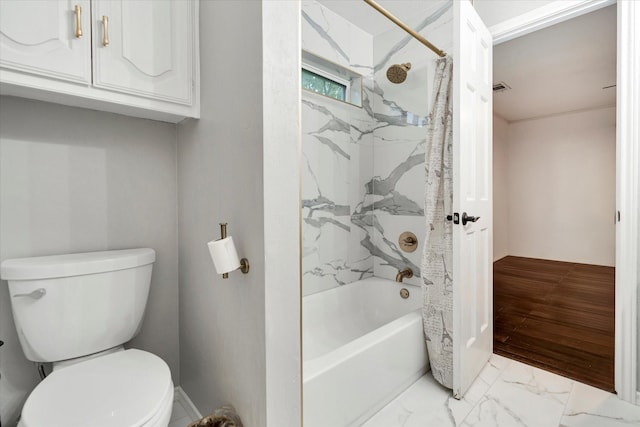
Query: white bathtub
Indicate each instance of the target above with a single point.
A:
(362, 346)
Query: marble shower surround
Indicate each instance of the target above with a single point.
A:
(401, 112)
(337, 140)
(363, 168)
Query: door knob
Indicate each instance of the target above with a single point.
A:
(466, 218)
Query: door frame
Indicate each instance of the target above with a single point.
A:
(627, 164)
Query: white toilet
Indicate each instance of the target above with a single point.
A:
(76, 311)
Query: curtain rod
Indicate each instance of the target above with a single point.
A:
(405, 27)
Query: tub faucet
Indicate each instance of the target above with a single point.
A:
(407, 272)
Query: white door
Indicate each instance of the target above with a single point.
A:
(49, 38)
(145, 48)
(472, 195)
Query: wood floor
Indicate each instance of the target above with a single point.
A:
(557, 316)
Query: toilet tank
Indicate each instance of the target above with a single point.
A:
(67, 306)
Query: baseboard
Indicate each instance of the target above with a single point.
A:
(187, 404)
(496, 259)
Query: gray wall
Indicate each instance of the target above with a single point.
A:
(240, 337)
(74, 180)
(222, 353)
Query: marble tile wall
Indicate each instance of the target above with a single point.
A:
(401, 111)
(362, 168)
(337, 141)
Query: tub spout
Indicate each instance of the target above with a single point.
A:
(407, 272)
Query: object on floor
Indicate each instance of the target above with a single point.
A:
(223, 417)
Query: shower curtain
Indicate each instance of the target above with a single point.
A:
(437, 279)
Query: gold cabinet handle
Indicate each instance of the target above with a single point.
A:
(78, 21)
(105, 31)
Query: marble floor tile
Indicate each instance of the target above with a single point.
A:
(522, 396)
(592, 407)
(494, 367)
(507, 393)
(425, 403)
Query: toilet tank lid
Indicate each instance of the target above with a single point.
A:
(55, 266)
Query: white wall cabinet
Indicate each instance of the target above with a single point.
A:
(146, 54)
(44, 42)
(134, 57)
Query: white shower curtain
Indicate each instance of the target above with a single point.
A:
(437, 279)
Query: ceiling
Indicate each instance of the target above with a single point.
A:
(558, 69)
(370, 20)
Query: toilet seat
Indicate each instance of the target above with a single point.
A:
(130, 388)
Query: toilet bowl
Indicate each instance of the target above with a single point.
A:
(76, 311)
(129, 388)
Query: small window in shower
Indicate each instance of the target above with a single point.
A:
(326, 78)
(317, 83)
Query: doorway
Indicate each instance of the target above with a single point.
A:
(554, 198)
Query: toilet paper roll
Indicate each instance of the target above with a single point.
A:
(224, 255)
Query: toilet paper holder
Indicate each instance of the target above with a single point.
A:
(224, 255)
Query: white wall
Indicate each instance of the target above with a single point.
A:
(500, 188)
(281, 149)
(562, 187)
(240, 337)
(74, 180)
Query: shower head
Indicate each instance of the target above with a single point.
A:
(397, 73)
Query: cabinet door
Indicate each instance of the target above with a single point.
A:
(144, 47)
(40, 37)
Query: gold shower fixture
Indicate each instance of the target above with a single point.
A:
(406, 273)
(397, 73)
(408, 241)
